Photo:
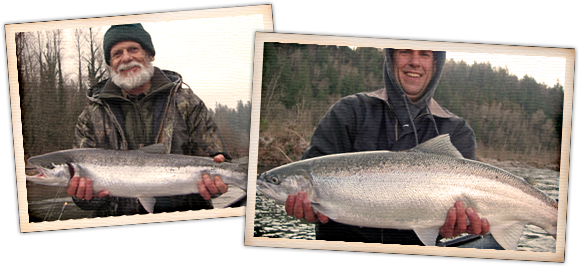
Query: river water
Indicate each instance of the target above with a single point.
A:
(272, 221)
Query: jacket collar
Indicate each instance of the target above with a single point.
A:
(435, 108)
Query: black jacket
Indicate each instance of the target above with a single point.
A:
(385, 120)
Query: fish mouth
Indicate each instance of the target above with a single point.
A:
(41, 178)
(48, 174)
(35, 173)
(270, 191)
(36, 177)
(262, 186)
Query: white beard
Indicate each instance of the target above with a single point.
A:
(133, 80)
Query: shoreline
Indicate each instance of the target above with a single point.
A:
(517, 163)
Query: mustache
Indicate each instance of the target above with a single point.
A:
(126, 66)
(132, 80)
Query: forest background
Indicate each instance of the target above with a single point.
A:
(52, 96)
(514, 119)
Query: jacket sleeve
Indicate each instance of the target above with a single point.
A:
(84, 138)
(464, 140)
(335, 133)
(84, 131)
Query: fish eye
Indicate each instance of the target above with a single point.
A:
(49, 166)
(274, 179)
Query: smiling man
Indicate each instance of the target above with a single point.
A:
(131, 67)
(398, 117)
(141, 105)
(414, 69)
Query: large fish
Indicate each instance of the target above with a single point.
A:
(137, 173)
(413, 190)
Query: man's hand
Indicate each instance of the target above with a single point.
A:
(300, 207)
(82, 189)
(456, 222)
(208, 187)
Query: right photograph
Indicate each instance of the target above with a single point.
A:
(444, 148)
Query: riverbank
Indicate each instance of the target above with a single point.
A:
(522, 164)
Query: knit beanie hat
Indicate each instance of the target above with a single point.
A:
(127, 32)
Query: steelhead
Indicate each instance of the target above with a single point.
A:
(413, 190)
(136, 173)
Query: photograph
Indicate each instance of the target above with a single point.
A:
(370, 144)
(135, 115)
(504, 75)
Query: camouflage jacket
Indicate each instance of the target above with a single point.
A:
(176, 117)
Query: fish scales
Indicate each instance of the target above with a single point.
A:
(413, 190)
(131, 181)
(405, 181)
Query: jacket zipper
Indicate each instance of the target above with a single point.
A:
(124, 144)
(139, 120)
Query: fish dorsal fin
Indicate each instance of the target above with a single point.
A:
(158, 148)
(438, 145)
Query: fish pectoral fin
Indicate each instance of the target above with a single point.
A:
(330, 213)
(508, 234)
(427, 235)
(148, 203)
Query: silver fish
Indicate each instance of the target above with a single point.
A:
(413, 190)
(137, 173)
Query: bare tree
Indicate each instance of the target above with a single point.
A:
(79, 42)
(50, 103)
(24, 66)
(39, 54)
(57, 44)
(56, 40)
(49, 65)
(95, 59)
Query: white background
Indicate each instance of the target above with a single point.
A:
(219, 242)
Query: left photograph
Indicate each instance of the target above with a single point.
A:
(132, 119)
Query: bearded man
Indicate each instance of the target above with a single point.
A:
(141, 105)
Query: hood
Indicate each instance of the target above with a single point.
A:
(405, 110)
(107, 86)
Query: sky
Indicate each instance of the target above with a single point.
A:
(214, 55)
(547, 70)
(544, 69)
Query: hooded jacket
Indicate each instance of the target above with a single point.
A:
(386, 119)
(168, 114)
